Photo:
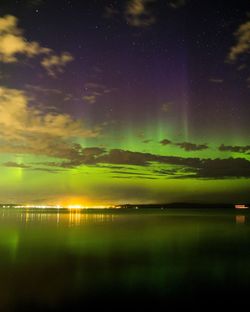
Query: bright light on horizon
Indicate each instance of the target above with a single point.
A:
(36, 206)
(61, 207)
(75, 207)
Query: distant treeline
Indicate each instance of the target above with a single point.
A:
(178, 205)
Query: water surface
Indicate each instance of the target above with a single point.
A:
(52, 259)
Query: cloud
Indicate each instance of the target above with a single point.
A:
(242, 45)
(131, 173)
(29, 130)
(185, 167)
(187, 146)
(117, 156)
(110, 12)
(12, 164)
(48, 98)
(78, 156)
(239, 52)
(165, 142)
(91, 99)
(55, 63)
(224, 168)
(93, 91)
(12, 42)
(97, 155)
(13, 45)
(138, 14)
(216, 80)
(176, 4)
(46, 91)
(234, 149)
(34, 3)
(165, 171)
(48, 170)
(178, 167)
(166, 107)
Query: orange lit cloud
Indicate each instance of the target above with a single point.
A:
(13, 44)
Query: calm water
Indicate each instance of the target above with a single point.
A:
(52, 259)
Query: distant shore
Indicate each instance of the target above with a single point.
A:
(136, 206)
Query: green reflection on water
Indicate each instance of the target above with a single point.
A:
(48, 258)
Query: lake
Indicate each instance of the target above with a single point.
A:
(55, 259)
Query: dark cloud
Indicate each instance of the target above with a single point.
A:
(165, 171)
(216, 80)
(187, 146)
(77, 156)
(176, 4)
(110, 11)
(118, 161)
(97, 155)
(49, 170)
(117, 156)
(15, 165)
(139, 176)
(138, 13)
(224, 168)
(92, 151)
(105, 166)
(176, 172)
(185, 167)
(35, 3)
(11, 164)
(234, 149)
(165, 142)
(133, 173)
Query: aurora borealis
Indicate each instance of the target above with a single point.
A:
(108, 102)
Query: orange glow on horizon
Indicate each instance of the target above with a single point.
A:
(75, 207)
(79, 202)
(72, 203)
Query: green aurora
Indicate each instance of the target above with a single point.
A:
(104, 110)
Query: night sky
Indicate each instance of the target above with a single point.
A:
(134, 101)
